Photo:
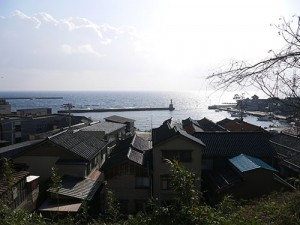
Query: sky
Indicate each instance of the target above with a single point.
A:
(131, 45)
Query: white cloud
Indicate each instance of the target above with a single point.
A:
(81, 49)
(23, 16)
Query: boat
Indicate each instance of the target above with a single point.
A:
(238, 114)
(265, 118)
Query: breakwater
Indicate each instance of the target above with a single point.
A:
(29, 98)
(114, 110)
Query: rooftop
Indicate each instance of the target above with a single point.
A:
(81, 143)
(230, 144)
(106, 127)
(246, 163)
(134, 149)
(77, 187)
(119, 119)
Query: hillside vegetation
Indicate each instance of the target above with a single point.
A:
(275, 209)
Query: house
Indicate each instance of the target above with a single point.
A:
(19, 190)
(221, 146)
(122, 120)
(257, 177)
(15, 129)
(232, 160)
(109, 131)
(127, 172)
(77, 157)
(75, 153)
(170, 141)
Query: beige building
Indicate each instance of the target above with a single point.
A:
(172, 142)
(127, 172)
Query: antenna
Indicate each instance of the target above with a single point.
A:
(68, 107)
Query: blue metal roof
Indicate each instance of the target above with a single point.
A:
(246, 163)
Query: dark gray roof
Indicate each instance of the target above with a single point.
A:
(170, 129)
(230, 144)
(208, 125)
(106, 127)
(80, 143)
(287, 147)
(134, 149)
(118, 119)
(12, 150)
(77, 187)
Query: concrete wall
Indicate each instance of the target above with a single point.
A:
(161, 168)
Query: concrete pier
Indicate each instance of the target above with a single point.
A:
(113, 110)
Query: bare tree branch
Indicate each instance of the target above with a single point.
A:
(278, 74)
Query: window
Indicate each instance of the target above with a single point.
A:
(180, 155)
(165, 182)
(18, 128)
(142, 182)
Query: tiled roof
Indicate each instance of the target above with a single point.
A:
(230, 144)
(288, 147)
(286, 140)
(208, 125)
(237, 125)
(12, 150)
(106, 127)
(134, 149)
(246, 163)
(119, 119)
(77, 187)
(170, 129)
(17, 176)
(81, 143)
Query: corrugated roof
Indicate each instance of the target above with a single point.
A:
(64, 205)
(230, 144)
(246, 163)
(106, 127)
(77, 187)
(79, 142)
(119, 119)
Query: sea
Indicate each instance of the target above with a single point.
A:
(193, 104)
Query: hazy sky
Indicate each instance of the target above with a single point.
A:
(131, 44)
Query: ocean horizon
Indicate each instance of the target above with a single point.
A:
(193, 104)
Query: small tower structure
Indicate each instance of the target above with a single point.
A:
(171, 107)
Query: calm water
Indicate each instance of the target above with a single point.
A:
(187, 104)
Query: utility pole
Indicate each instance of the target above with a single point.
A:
(68, 107)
